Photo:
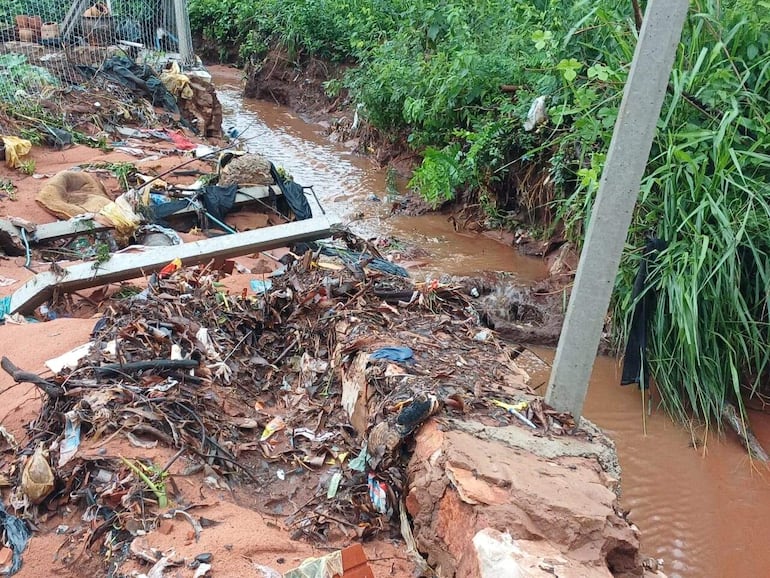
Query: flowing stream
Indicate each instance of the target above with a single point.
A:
(705, 511)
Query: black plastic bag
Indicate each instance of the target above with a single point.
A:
(294, 195)
(635, 358)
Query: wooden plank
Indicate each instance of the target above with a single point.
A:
(124, 266)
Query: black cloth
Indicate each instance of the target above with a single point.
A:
(138, 78)
(294, 195)
(218, 201)
(635, 369)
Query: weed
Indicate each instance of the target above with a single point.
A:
(103, 254)
(32, 135)
(152, 477)
(333, 87)
(27, 167)
(7, 187)
(123, 171)
(18, 78)
(127, 291)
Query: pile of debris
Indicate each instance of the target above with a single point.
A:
(311, 387)
(81, 103)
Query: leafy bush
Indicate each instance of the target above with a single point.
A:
(336, 30)
(19, 78)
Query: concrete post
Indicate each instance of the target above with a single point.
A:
(184, 35)
(611, 215)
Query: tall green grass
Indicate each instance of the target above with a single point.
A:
(707, 194)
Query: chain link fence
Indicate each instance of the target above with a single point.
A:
(49, 44)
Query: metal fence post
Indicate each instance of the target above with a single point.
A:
(611, 215)
(183, 33)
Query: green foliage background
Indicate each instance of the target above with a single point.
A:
(431, 72)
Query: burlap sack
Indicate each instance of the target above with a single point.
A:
(69, 194)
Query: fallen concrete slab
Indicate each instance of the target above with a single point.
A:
(557, 503)
(144, 260)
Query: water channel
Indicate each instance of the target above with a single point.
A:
(704, 511)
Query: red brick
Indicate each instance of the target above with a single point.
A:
(355, 564)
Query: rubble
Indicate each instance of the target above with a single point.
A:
(461, 484)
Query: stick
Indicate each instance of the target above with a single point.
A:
(638, 16)
(20, 376)
(741, 427)
(142, 365)
(286, 351)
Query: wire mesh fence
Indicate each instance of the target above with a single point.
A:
(49, 43)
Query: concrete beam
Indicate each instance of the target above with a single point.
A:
(124, 266)
(611, 215)
(73, 227)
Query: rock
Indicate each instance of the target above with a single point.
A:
(246, 170)
(500, 556)
(461, 483)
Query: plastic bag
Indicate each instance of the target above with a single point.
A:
(37, 479)
(17, 535)
(15, 148)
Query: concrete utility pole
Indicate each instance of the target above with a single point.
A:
(611, 215)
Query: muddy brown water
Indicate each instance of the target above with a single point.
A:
(705, 511)
(347, 185)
